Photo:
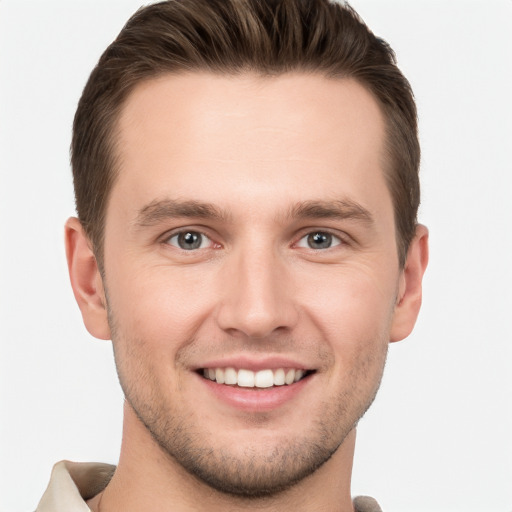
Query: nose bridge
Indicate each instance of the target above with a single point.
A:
(256, 300)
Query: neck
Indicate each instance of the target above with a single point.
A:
(149, 479)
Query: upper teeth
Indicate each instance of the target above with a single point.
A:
(250, 379)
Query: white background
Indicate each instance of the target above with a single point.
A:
(439, 437)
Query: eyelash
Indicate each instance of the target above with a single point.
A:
(185, 232)
(333, 240)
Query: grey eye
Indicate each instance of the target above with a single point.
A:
(319, 240)
(189, 240)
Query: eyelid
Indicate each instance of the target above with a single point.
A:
(341, 238)
(165, 239)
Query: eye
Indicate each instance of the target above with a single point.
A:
(319, 240)
(189, 240)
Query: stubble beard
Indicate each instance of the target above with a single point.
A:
(256, 471)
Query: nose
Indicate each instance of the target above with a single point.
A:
(257, 295)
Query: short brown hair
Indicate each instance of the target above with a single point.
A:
(270, 37)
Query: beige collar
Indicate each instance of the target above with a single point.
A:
(72, 483)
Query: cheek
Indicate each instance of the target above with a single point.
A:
(355, 299)
(354, 314)
(152, 318)
(356, 321)
(163, 305)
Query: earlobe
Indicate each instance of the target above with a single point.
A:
(86, 280)
(410, 289)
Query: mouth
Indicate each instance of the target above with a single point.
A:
(262, 379)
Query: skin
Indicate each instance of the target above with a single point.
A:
(275, 158)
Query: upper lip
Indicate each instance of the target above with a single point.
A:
(255, 363)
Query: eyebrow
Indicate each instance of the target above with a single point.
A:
(159, 210)
(345, 209)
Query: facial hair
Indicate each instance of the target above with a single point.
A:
(259, 469)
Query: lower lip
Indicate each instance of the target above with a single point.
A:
(256, 399)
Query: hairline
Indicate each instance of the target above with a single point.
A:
(114, 134)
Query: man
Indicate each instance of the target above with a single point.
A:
(246, 180)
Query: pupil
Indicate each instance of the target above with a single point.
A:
(320, 240)
(189, 240)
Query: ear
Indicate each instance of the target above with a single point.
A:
(86, 280)
(409, 292)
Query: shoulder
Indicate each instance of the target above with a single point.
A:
(366, 504)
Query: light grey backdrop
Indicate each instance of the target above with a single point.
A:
(439, 437)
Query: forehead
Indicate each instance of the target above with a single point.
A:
(301, 134)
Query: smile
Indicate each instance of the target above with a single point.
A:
(249, 379)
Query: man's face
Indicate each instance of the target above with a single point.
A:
(250, 238)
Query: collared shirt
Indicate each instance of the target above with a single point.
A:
(73, 483)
